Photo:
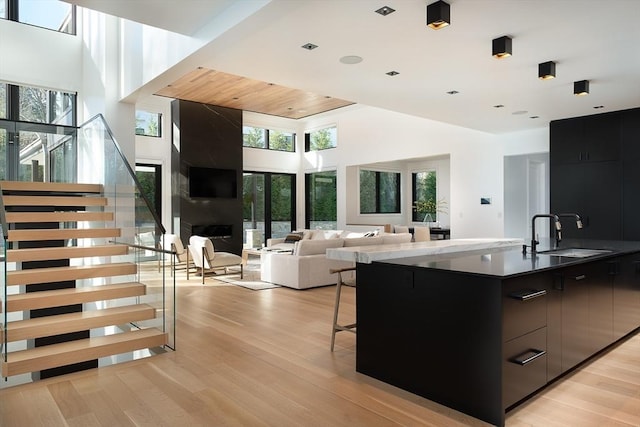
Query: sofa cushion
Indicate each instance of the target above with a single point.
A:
(293, 237)
(314, 247)
(389, 238)
(363, 241)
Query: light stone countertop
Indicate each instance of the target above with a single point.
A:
(368, 254)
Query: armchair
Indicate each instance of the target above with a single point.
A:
(206, 258)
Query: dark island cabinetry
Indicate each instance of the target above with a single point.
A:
(480, 333)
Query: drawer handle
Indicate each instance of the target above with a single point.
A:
(580, 277)
(528, 294)
(528, 357)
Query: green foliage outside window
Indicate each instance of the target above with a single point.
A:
(426, 205)
(323, 139)
(379, 192)
(271, 139)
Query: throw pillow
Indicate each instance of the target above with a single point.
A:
(292, 237)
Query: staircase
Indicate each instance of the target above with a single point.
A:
(34, 211)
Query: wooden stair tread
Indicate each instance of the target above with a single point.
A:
(61, 234)
(59, 216)
(54, 201)
(39, 358)
(69, 296)
(63, 187)
(67, 252)
(59, 274)
(73, 322)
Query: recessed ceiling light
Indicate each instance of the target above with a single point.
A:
(453, 92)
(392, 73)
(498, 106)
(309, 46)
(351, 59)
(385, 10)
(597, 107)
(519, 112)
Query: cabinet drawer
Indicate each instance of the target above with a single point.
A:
(524, 366)
(524, 307)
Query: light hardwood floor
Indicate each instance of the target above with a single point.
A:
(254, 358)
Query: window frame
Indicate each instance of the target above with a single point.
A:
(307, 197)
(415, 215)
(266, 137)
(307, 138)
(378, 194)
(12, 13)
(150, 113)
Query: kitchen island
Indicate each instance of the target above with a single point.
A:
(481, 332)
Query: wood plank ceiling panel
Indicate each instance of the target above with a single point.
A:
(227, 90)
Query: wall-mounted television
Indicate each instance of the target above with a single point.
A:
(213, 183)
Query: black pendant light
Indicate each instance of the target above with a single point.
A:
(547, 70)
(438, 15)
(581, 87)
(502, 47)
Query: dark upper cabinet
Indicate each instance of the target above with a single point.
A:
(586, 139)
(593, 191)
(630, 136)
(594, 172)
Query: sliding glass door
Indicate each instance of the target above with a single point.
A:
(268, 206)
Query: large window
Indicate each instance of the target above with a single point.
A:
(320, 200)
(379, 192)
(35, 129)
(424, 196)
(268, 203)
(148, 124)
(321, 139)
(51, 14)
(270, 139)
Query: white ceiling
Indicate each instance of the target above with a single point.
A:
(595, 40)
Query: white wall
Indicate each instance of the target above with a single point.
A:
(35, 56)
(470, 164)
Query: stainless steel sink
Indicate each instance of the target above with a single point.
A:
(575, 252)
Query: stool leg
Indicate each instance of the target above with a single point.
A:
(335, 311)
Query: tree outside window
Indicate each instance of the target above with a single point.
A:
(148, 124)
(426, 205)
(321, 139)
(379, 192)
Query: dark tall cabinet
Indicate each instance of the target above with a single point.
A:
(594, 172)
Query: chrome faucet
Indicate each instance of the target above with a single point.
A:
(535, 242)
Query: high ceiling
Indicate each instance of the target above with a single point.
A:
(590, 40)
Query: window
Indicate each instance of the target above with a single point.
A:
(320, 200)
(321, 139)
(268, 203)
(424, 196)
(148, 124)
(379, 192)
(36, 125)
(51, 14)
(38, 105)
(270, 139)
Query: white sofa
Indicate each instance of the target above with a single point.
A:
(308, 266)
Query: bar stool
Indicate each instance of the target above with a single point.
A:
(341, 282)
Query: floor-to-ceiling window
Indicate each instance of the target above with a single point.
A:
(268, 205)
(320, 200)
